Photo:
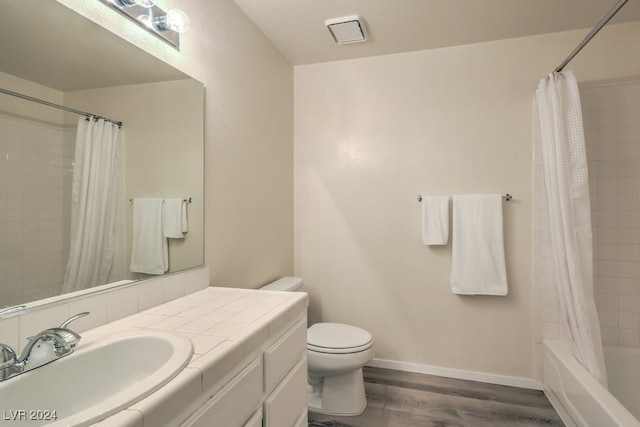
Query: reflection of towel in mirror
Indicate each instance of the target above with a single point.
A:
(149, 253)
(174, 218)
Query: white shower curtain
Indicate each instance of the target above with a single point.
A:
(96, 200)
(566, 186)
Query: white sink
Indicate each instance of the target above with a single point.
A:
(104, 375)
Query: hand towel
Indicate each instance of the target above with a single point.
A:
(149, 253)
(174, 218)
(435, 220)
(477, 262)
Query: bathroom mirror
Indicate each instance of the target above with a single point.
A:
(49, 52)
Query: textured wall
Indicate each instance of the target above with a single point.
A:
(370, 135)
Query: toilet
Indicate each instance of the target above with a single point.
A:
(336, 354)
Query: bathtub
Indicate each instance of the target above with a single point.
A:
(580, 399)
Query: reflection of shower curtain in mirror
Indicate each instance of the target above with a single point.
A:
(96, 203)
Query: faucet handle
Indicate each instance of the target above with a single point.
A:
(72, 318)
(8, 357)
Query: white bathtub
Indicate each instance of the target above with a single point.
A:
(580, 399)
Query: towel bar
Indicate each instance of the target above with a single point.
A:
(184, 200)
(507, 197)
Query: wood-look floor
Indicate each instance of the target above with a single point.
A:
(401, 399)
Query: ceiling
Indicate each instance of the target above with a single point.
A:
(297, 27)
(71, 52)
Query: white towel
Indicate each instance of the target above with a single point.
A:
(435, 220)
(174, 218)
(150, 252)
(477, 262)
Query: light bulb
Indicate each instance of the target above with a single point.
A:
(177, 20)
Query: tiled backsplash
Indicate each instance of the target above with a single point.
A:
(105, 307)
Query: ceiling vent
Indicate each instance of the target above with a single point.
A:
(349, 29)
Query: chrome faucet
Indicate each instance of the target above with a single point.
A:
(45, 347)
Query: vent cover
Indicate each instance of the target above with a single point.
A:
(349, 29)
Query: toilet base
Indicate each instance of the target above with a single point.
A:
(341, 395)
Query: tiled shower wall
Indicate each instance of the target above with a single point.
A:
(35, 180)
(611, 116)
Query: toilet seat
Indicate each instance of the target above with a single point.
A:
(337, 338)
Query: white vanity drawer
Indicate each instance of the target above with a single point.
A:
(232, 405)
(284, 406)
(283, 354)
(255, 420)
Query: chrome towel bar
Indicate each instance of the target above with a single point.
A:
(184, 200)
(507, 197)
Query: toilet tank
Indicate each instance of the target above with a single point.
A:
(289, 284)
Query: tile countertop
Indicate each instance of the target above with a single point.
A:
(225, 325)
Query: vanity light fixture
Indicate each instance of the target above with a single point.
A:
(143, 3)
(166, 25)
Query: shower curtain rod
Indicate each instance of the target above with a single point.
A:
(60, 107)
(591, 34)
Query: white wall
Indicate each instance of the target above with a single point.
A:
(371, 134)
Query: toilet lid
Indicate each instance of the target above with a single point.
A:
(337, 338)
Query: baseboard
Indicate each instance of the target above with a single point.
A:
(457, 373)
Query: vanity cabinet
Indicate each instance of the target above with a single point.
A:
(270, 391)
(249, 367)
